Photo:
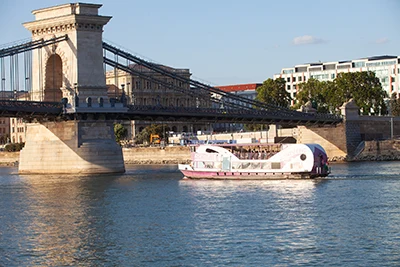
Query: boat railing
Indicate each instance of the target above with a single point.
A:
(255, 164)
(207, 164)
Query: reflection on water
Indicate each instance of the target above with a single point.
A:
(60, 217)
(150, 216)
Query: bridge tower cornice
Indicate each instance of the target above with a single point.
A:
(66, 18)
(72, 69)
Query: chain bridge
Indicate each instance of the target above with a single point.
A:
(222, 106)
(56, 81)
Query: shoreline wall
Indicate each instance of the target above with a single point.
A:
(156, 155)
(373, 151)
(379, 151)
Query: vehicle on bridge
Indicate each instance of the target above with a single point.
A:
(293, 161)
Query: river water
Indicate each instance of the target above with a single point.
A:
(150, 216)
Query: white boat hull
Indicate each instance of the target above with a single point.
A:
(188, 172)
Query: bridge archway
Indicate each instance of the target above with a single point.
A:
(66, 71)
(54, 75)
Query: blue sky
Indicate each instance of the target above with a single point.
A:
(226, 42)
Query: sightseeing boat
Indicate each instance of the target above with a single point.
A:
(293, 161)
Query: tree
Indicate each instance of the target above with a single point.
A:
(271, 92)
(315, 91)
(12, 147)
(4, 139)
(144, 135)
(365, 88)
(120, 132)
(394, 105)
(274, 92)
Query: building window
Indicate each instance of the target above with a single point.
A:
(333, 76)
(288, 79)
(359, 64)
(288, 86)
(300, 79)
(294, 79)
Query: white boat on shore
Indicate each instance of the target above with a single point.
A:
(293, 161)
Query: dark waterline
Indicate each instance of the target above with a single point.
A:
(150, 216)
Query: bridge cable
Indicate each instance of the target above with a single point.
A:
(3, 78)
(257, 104)
(160, 70)
(168, 85)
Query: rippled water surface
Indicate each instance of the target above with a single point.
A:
(150, 216)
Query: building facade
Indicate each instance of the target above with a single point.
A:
(17, 130)
(248, 90)
(4, 130)
(386, 68)
(12, 130)
(156, 90)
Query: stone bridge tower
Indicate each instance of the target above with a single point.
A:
(71, 69)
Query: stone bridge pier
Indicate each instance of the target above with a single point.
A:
(84, 147)
(71, 69)
(346, 140)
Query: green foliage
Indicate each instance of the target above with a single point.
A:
(363, 87)
(144, 135)
(274, 92)
(394, 105)
(256, 127)
(14, 147)
(4, 139)
(315, 91)
(120, 132)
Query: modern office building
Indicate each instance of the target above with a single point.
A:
(386, 68)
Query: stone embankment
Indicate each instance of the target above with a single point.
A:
(9, 158)
(383, 150)
(156, 155)
(134, 155)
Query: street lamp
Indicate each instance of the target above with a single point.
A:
(391, 127)
(76, 99)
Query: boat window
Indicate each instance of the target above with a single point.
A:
(209, 150)
(303, 157)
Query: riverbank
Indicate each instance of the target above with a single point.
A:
(383, 150)
(134, 155)
(9, 158)
(157, 155)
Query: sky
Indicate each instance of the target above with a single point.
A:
(225, 42)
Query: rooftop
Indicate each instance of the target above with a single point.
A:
(239, 87)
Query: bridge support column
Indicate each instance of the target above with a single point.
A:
(86, 147)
